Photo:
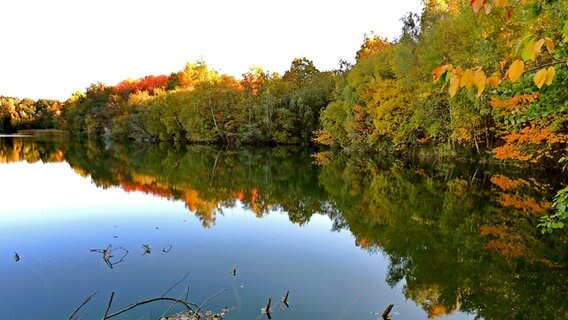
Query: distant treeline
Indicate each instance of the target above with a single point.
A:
(387, 98)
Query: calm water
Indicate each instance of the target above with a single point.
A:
(437, 240)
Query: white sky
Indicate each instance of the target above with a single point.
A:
(52, 48)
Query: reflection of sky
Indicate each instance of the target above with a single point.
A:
(52, 217)
(38, 186)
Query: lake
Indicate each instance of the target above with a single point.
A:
(346, 239)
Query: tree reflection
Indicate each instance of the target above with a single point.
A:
(459, 237)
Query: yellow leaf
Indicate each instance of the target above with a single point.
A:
(479, 79)
(501, 3)
(549, 44)
(516, 70)
(550, 72)
(477, 5)
(540, 78)
(538, 46)
(528, 52)
(467, 79)
(493, 80)
(455, 81)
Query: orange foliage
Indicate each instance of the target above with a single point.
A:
(506, 243)
(505, 183)
(525, 203)
(514, 103)
(152, 189)
(204, 209)
(506, 249)
(253, 82)
(530, 144)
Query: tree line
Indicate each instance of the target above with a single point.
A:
(387, 98)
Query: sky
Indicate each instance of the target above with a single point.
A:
(51, 49)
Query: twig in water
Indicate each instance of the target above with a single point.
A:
(385, 314)
(208, 299)
(186, 304)
(73, 315)
(108, 254)
(186, 292)
(167, 248)
(266, 310)
(147, 249)
(175, 284)
(108, 306)
(285, 299)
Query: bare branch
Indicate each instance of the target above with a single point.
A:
(186, 304)
(175, 285)
(73, 315)
(108, 306)
(208, 299)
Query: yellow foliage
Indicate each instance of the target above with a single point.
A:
(501, 3)
(494, 79)
(479, 79)
(550, 72)
(323, 137)
(538, 46)
(540, 77)
(455, 81)
(549, 44)
(466, 79)
(516, 70)
(477, 5)
(322, 158)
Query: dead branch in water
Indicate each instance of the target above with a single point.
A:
(385, 314)
(106, 316)
(73, 315)
(108, 254)
(176, 284)
(208, 299)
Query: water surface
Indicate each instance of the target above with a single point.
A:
(437, 240)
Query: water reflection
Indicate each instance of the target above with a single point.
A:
(459, 238)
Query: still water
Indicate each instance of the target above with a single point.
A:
(346, 239)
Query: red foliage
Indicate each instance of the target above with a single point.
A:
(148, 84)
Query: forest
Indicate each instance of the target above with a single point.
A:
(481, 78)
